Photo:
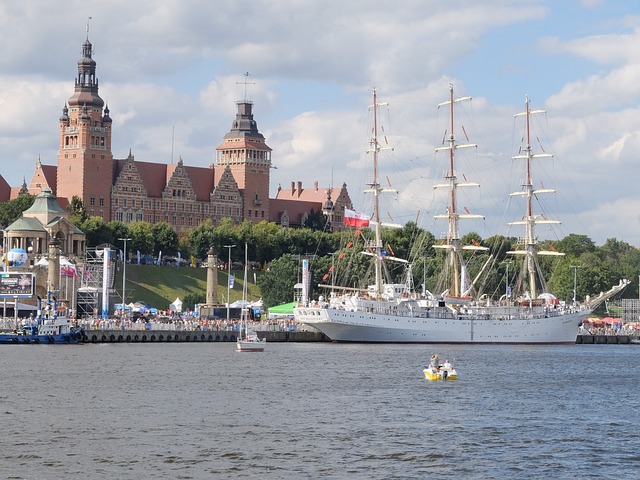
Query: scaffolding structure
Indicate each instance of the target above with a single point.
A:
(89, 298)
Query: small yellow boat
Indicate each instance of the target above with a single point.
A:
(440, 373)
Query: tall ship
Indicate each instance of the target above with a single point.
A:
(387, 312)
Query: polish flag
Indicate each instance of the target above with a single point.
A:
(355, 219)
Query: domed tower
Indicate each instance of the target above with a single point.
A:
(245, 152)
(85, 161)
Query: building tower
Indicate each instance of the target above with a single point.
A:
(245, 152)
(85, 162)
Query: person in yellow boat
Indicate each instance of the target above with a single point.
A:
(447, 364)
(435, 361)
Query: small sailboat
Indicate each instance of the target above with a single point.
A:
(247, 341)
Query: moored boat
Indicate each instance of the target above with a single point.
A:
(388, 312)
(247, 341)
(47, 329)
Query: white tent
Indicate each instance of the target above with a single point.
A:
(176, 306)
(43, 262)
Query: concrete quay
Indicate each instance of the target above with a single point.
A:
(193, 336)
(606, 339)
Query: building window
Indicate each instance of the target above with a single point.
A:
(101, 201)
(92, 201)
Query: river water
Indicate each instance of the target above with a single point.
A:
(318, 410)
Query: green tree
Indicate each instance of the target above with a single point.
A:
(141, 234)
(119, 230)
(12, 210)
(201, 239)
(276, 285)
(96, 231)
(575, 245)
(266, 241)
(77, 211)
(165, 238)
(315, 221)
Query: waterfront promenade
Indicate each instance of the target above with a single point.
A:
(191, 329)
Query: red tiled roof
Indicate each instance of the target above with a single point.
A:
(295, 209)
(243, 143)
(5, 190)
(315, 194)
(153, 175)
(50, 173)
(202, 181)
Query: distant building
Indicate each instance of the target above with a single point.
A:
(291, 206)
(128, 190)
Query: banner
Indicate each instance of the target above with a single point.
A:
(231, 280)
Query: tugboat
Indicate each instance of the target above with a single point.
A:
(45, 329)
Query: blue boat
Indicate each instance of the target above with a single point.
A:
(46, 329)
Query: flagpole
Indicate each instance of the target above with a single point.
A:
(229, 279)
(124, 270)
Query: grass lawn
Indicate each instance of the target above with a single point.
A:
(159, 286)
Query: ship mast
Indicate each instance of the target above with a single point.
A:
(531, 268)
(453, 245)
(374, 186)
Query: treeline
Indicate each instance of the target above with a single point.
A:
(585, 267)
(335, 257)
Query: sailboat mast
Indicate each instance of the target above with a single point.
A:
(454, 255)
(453, 217)
(375, 186)
(528, 188)
(530, 219)
(243, 315)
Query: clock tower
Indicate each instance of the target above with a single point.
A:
(248, 157)
(85, 161)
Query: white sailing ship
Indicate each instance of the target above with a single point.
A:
(395, 313)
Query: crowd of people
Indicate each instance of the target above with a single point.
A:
(283, 324)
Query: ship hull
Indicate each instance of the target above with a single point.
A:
(360, 327)
(72, 337)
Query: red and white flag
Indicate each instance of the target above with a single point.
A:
(355, 219)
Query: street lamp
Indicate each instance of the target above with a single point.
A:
(124, 269)
(228, 278)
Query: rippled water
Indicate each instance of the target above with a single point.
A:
(296, 411)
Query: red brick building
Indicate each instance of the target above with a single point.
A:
(129, 190)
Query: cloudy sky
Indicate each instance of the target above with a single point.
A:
(172, 71)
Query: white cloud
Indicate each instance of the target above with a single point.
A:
(172, 71)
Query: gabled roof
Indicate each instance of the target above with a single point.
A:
(5, 190)
(202, 181)
(44, 176)
(156, 176)
(153, 175)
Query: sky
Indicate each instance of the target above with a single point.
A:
(171, 73)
